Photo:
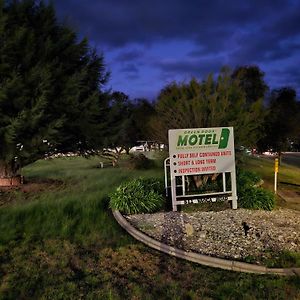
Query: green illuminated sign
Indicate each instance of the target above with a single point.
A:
(204, 139)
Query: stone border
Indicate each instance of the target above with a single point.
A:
(200, 258)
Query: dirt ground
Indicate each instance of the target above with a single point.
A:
(11, 194)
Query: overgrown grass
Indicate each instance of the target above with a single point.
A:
(77, 211)
(65, 244)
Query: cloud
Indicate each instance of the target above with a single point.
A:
(129, 55)
(129, 68)
(254, 27)
(191, 67)
(222, 33)
(287, 77)
(119, 22)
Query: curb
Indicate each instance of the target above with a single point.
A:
(200, 258)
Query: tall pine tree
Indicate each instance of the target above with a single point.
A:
(50, 87)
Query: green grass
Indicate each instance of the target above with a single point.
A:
(283, 259)
(76, 211)
(63, 243)
(265, 168)
(291, 159)
(288, 179)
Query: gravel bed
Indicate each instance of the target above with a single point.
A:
(235, 234)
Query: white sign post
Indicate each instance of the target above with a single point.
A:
(198, 151)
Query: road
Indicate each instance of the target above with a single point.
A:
(291, 158)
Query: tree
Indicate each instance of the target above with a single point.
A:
(251, 81)
(121, 133)
(127, 123)
(50, 87)
(210, 103)
(143, 112)
(282, 121)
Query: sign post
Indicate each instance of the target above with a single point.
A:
(202, 151)
(275, 175)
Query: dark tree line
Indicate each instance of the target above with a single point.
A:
(53, 97)
(240, 98)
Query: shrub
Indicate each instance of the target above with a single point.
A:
(154, 184)
(140, 161)
(138, 196)
(250, 196)
(256, 198)
(247, 178)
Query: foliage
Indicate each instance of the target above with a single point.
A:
(256, 198)
(143, 111)
(140, 161)
(156, 184)
(50, 97)
(120, 130)
(251, 80)
(127, 121)
(282, 123)
(247, 178)
(138, 196)
(250, 196)
(210, 103)
(283, 259)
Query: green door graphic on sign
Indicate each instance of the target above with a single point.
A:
(224, 138)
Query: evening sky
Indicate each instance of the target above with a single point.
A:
(148, 44)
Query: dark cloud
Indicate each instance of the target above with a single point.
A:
(289, 77)
(223, 33)
(275, 38)
(119, 22)
(188, 67)
(129, 68)
(129, 55)
(283, 51)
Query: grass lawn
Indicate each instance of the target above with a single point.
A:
(288, 174)
(288, 178)
(60, 241)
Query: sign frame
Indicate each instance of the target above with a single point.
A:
(200, 151)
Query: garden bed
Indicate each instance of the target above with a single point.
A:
(256, 236)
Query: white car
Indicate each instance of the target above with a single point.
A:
(139, 148)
